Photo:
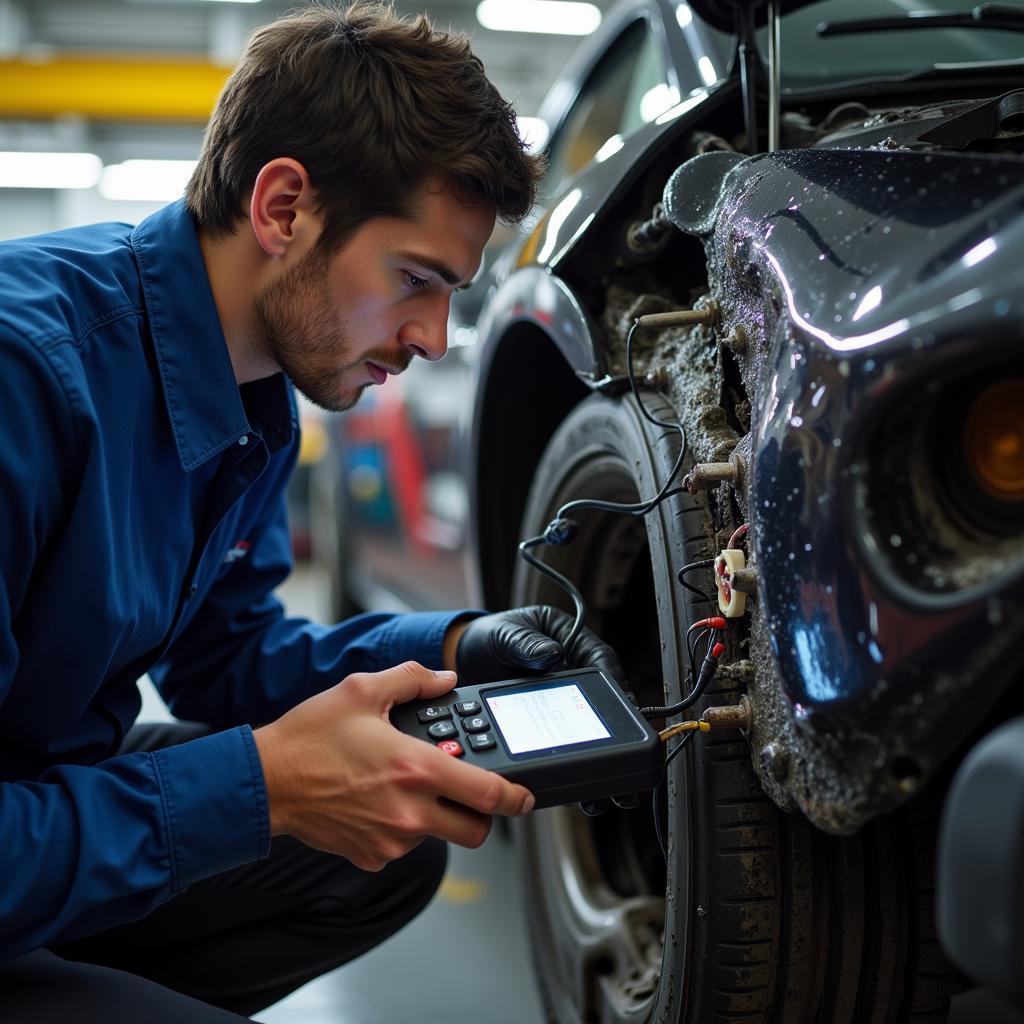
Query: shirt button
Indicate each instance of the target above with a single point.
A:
(192, 591)
(243, 440)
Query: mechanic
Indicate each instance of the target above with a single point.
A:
(351, 173)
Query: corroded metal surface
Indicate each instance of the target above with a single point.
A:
(848, 283)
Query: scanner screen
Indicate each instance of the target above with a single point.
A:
(551, 717)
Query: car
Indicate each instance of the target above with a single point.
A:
(794, 230)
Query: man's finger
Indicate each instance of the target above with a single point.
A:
(403, 683)
(459, 825)
(479, 789)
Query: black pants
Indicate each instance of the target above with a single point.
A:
(228, 946)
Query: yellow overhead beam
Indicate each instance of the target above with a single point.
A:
(110, 88)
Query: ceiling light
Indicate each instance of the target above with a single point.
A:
(657, 100)
(557, 17)
(684, 15)
(610, 148)
(49, 170)
(146, 180)
(980, 252)
(707, 70)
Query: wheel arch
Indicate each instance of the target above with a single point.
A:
(526, 388)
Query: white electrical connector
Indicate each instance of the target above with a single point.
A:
(731, 603)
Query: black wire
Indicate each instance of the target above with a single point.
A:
(692, 567)
(655, 800)
(687, 736)
(636, 388)
(564, 582)
(694, 695)
(657, 820)
(641, 508)
(691, 648)
(707, 650)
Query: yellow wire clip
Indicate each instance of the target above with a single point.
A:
(675, 730)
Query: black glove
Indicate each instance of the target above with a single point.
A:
(507, 644)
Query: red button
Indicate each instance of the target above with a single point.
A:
(452, 747)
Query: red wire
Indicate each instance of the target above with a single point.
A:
(739, 532)
(715, 622)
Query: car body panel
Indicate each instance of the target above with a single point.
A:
(880, 260)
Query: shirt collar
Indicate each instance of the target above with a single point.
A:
(203, 400)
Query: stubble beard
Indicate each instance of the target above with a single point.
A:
(305, 335)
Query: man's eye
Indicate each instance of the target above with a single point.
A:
(416, 283)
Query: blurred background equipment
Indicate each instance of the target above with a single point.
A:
(102, 104)
(102, 110)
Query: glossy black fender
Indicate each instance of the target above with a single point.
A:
(866, 279)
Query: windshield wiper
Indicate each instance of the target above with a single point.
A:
(1004, 17)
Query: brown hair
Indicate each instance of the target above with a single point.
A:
(372, 105)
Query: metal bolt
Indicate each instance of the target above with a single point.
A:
(729, 716)
(744, 580)
(737, 340)
(706, 315)
(706, 475)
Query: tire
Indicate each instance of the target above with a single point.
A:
(754, 916)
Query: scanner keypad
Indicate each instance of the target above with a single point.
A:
(442, 731)
(432, 714)
(443, 727)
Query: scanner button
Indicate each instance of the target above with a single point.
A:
(481, 741)
(477, 724)
(442, 730)
(468, 707)
(452, 747)
(433, 714)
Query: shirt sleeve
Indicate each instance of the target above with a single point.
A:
(85, 848)
(242, 660)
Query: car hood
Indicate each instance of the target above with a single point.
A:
(722, 13)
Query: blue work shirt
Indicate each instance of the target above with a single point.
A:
(142, 528)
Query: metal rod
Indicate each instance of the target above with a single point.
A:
(748, 71)
(774, 77)
(707, 315)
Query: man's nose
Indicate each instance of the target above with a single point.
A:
(426, 336)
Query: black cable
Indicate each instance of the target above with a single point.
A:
(640, 508)
(655, 799)
(692, 567)
(712, 640)
(705, 674)
(687, 736)
(561, 530)
(657, 820)
(562, 581)
(691, 648)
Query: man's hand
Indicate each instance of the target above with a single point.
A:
(341, 778)
(507, 644)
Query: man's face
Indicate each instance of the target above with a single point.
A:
(336, 324)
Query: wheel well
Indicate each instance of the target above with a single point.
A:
(529, 390)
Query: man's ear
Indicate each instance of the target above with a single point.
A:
(282, 208)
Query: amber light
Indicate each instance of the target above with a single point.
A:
(994, 440)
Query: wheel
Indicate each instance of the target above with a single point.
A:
(753, 916)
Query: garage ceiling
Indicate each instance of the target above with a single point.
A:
(521, 65)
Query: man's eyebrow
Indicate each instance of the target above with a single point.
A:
(442, 270)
